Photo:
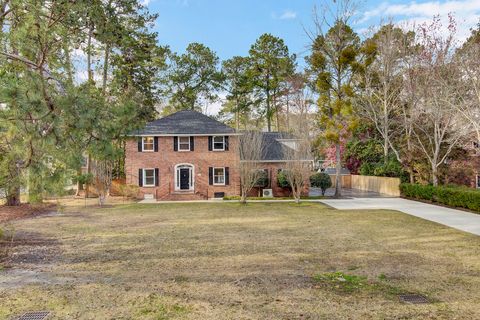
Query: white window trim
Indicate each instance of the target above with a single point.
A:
(189, 146)
(192, 176)
(143, 144)
(213, 143)
(144, 177)
(218, 184)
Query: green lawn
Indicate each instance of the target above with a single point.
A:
(229, 261)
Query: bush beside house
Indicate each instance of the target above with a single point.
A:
(459, 197)
(321, 180)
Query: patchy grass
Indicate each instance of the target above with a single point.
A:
(234, 261)
(342, 281)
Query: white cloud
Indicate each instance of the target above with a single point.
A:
(285, 15)
(466, 13)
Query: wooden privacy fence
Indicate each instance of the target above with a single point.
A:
(385, 185)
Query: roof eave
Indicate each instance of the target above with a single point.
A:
(184, 134)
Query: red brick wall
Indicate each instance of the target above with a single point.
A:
(273, 168)
(166, 159)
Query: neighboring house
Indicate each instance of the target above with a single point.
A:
(188, 155)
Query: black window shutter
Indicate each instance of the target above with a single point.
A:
(140, 144)
(226, 143)
(140, 177)
(175, 143)
(210, 175)
(227, 176)
(268, 177)
(192, 144)
(156, 177)
(210, 143)
(155, 144)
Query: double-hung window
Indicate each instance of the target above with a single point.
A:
(218, 176)
(149, 177)
(218, 143)
(184, 143)
(148, 144)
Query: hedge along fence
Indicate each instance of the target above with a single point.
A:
(451, 196)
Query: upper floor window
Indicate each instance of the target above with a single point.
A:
(184, 143)
(218, 143)
(148, 144)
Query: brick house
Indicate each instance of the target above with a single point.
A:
(189, 156)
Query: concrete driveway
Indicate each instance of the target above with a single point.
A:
(347, 193)
(457, 219)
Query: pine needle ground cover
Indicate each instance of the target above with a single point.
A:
(230, 261)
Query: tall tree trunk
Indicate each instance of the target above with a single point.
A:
(89, 54)
(434, 175)
(13, 196)
(288, 113)
(237, 115)
(89, 170)
(385, 150)
(277, 114)
(90, 80)
(79, 183)
(35, 188)
(269, 118)
(338, 165)
(105, 67)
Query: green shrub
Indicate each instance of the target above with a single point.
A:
(451, 196)
(321, 180)
(262, 180)
(367, 169)
(282, 180)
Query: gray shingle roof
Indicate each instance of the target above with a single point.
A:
(185, 122)
(272, 148)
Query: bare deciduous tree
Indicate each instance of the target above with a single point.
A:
(250, 150)
(102, 170)
(437, 127)
(468, 61)
(381, 99)
(298, 156)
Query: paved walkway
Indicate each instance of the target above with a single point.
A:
(458, 219)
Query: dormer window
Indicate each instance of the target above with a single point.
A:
(218, 143)
(184, 143)
(148, 144)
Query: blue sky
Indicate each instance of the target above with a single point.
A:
(229, 27)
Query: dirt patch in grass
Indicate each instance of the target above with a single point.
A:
(24, 210)
(233, 261)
